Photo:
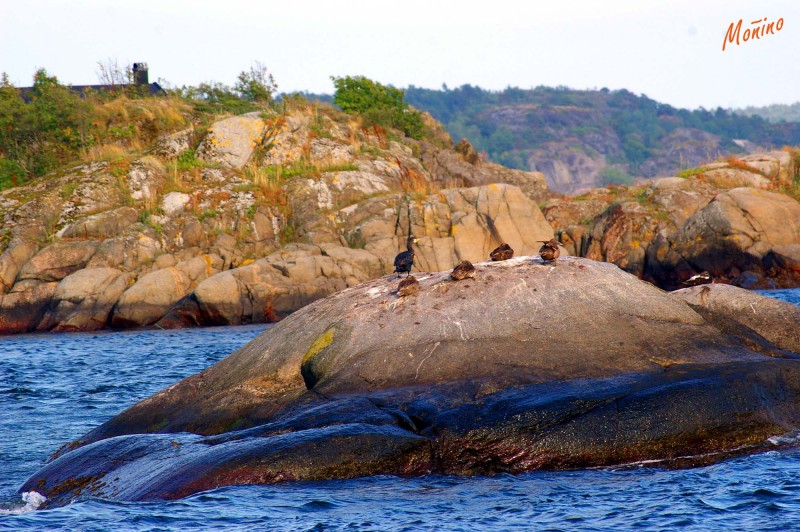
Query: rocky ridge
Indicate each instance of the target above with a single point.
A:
(269, 213)
(732, 218)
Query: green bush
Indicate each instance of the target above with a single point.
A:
(11, 173)
(378, 104)
(51, 129)
(257, 85)
(187, 161)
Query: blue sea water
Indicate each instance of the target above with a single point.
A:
(54, 388)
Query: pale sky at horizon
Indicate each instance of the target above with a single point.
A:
(668, 50)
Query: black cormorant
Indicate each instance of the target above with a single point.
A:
(404, 260)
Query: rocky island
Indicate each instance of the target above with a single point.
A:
(526, 366)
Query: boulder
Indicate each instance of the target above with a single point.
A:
(58, 260)
(622, 234)
(174, 203)
(277, 285)
(151, 297)
(104, 225)
(230, 142)
(83, 300)
(12, 260)
(22, 309)
(526, 366)
(776, 165)
(736, 229)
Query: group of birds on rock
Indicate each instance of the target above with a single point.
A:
(464, 270)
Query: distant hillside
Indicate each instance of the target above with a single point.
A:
(777, 112)
(582, 139)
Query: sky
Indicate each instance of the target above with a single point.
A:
(670, 50)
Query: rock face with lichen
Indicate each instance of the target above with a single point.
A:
(735, 219)
(268, 214)
(272, 211)
(527, 366)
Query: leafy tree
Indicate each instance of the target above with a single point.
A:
(45, 132)
(257, 85)
(377, 104)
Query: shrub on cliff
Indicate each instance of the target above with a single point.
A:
(378, 104)
(47, 131)
(257, 85)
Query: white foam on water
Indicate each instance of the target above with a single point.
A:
(786, 439)
(31, 499)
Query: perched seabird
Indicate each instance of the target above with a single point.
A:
(408, 286)
(503, 252)
(549, 251)
(700, 278)
(463, 270)
(404, 260)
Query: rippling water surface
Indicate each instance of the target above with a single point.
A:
(54, 388)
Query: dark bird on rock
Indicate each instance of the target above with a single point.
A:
(549, 251)
(404, 260)
(408, 286)
(700, 278)
(464, 270)
(503, 252)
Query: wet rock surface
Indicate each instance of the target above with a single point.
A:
(526, 366)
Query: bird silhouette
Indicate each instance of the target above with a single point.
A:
(405, 259)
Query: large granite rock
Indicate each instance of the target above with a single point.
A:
(103, 225)
(526, 366)
(58, 260)
(155, 293)
(83, 300)
(732, 234)
(24, 306)
(230, 142)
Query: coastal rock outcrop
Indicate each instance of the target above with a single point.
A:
(83, 300)
(155, 293)
(526, 366)
(291, 207)
(669, 229)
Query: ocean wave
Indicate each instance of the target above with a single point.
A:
(31, 500)
(789, 438)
